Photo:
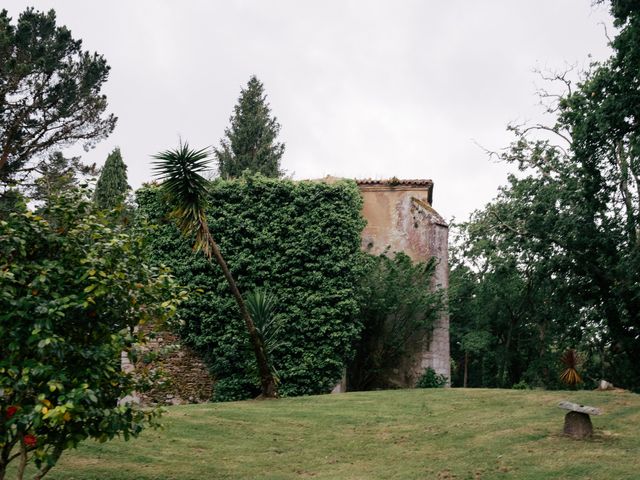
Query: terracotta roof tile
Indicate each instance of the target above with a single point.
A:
(394, 181)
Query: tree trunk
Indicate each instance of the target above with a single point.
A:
(267, 382)
(505, 360)
(4, 158)
(466, 369)
(55, 456)
(627, 197)
(23, 460)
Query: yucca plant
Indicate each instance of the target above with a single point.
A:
(262, 306)
(179, 171)
(570, 375)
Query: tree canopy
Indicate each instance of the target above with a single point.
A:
(250, 142)
(112, 187)
(50, 91)
(59, 174)
(566, 230)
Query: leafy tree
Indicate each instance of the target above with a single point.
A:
(397, 310)
(250, 142)
(112, 187)
(74, 286)
(567, 227)
(186, 189)
(508, 303)
(470, 330)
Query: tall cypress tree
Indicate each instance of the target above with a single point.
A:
(112, 187)
(250, 142)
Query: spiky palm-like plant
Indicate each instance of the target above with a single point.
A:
(570, 375)
(179, 170)
(262, 306)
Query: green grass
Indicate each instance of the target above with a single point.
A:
(401, 434)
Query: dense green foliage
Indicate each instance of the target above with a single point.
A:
(250, 142)
(74, 286)
(431, 379)
(112, 187)
(397, 311)
(554, 262)
(49, 91)
(300, 240)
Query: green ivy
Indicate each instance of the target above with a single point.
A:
(301, 241)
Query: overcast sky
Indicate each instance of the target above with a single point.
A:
(362, 89)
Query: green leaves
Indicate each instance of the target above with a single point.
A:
(49, 90)
(66, 314)
(554, 261)
(180, 171)
(299, 240)
(397, 308)
(112, 187)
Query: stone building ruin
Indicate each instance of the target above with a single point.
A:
(400, 217)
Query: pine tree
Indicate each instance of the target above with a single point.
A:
(50, 91)
(250, 142)
(112, 187)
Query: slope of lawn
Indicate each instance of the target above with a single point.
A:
(401, 434)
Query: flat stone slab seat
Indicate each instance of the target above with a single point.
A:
(577, 423)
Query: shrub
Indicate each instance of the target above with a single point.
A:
(431, 379)
(397, 309)
(74, 286)
(521, 385)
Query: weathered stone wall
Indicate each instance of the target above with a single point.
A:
(184, 377)
(400, 218)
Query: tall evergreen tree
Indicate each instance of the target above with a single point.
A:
(250, 142)
(112, 187)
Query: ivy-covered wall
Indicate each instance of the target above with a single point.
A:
(300, 240)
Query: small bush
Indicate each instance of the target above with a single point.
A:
(431, 379)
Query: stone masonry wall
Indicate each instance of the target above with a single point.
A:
(184, 377)
(400, 218)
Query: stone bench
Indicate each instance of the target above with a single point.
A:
(577, 422)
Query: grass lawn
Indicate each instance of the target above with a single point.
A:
(400, 434)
